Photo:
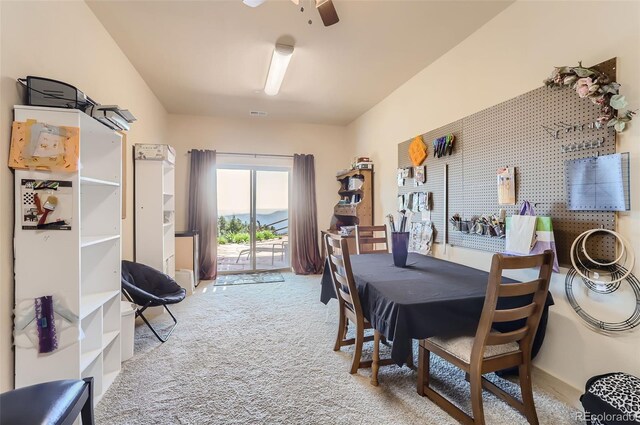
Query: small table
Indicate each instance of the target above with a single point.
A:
(429, 297)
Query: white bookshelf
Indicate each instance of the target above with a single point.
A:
(79, 267)
(155, 209)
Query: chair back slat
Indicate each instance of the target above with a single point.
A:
(345, 296)
(529, 313)
(366, 239)
(519, 289)
(371, 239)
(342, 276)
(524, 262)
(342, 280)
(337, 261)
(498, 338)
(512, 314)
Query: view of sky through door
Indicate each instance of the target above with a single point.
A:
(234, 189)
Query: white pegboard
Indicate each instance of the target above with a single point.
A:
(512, 134)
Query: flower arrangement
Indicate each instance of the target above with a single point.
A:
(598, 87)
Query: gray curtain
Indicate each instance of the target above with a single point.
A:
(203, 209)
(305, 255)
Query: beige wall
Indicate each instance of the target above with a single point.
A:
(64, 41)
(509, 56)
(257, 135)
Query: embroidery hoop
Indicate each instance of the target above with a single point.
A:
(581, 242)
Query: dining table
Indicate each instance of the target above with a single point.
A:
(429, 297)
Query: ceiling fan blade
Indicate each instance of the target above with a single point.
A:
(327, 12)
(253, 3)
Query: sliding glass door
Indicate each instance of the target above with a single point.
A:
(253, 219)
(272, 219)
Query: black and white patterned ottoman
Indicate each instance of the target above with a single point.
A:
(612, 399)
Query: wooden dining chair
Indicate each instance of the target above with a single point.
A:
(370, 238)
(490, 350)
(349, 307)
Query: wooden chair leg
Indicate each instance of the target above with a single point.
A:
(424, 359)
(475, 379)
(526, 389)
(341, 331)
(375, 364)
(357, 353)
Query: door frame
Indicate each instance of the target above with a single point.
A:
(253, 169)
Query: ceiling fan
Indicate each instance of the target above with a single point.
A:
(325, 8)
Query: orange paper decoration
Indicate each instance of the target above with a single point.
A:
(66, 162)
(417, 151)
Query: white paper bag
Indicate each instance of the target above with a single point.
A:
(521, 235)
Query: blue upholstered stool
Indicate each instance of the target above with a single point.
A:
(50, 403)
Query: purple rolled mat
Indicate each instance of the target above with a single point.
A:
(47, 337)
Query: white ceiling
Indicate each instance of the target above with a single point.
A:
(211, 57)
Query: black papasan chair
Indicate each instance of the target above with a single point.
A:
(148, 287)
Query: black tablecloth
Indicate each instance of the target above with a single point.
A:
(430, 297)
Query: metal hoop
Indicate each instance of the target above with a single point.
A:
(598, 325)
(608, 288)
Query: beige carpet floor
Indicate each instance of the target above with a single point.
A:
(262, 354)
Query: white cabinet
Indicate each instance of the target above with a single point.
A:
(155, 206)
(79, 267)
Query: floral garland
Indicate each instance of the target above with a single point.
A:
(598, 87)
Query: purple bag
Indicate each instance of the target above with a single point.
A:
(526, 209)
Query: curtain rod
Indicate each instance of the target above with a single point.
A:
(255, 155)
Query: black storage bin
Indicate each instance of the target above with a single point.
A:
(52, 93)
(612, 399)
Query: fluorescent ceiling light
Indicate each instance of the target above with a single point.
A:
(253, 3)
(279, 63)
